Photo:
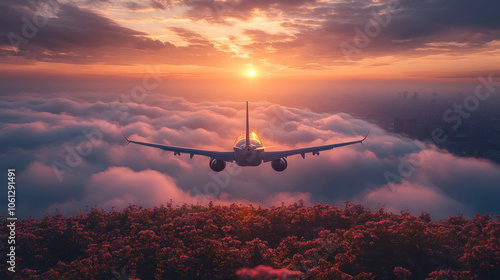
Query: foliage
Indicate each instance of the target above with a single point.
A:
(221, 242)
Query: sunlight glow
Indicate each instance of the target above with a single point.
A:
(251, 73)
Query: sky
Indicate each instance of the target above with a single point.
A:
(423, 40)
(76, 74)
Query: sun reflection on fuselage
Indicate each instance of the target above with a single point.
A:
(248, 155)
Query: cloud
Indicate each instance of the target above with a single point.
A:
(218, 11)
(408, 195)
(118, 187)
(308, 34)
(148, 188)
(79, 35)
(470, 181)
(72, 28)
(69, 152)
(314, 30)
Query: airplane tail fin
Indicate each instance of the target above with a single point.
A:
(248, 130)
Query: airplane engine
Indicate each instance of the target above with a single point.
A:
(217, 165)
(279, 164)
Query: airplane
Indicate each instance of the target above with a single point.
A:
(248, 151)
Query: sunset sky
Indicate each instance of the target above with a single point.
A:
(335, 40)
(70, 68)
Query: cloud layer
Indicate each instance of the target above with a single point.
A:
(69, 153)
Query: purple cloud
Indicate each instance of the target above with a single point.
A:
(101, 169)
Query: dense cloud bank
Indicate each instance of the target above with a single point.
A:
(69, 152)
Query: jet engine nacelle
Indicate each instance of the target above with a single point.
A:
(217, 165)
(279, 164)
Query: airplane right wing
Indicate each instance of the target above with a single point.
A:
(270, 156)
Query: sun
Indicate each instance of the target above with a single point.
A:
(251, 73)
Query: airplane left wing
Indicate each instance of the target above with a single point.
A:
(270, 156)
(225, 156)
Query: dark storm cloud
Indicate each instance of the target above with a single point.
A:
(434, 17)
(11, 13)
(414, 24)
(38, 130)
(72, 34)
(72, 28)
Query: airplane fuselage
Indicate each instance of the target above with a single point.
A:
(248, 154)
